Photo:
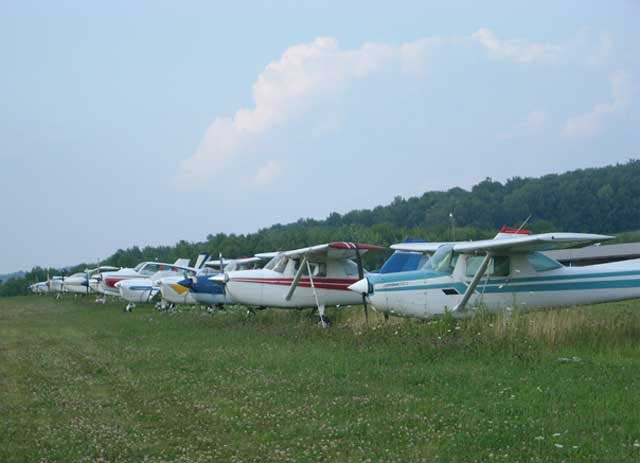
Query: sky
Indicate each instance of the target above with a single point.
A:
(142, 123)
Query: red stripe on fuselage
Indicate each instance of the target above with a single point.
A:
(336, 284)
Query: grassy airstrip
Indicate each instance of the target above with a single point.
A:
(82, 382)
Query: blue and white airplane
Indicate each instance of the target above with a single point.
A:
(508, 272)
(199, 289)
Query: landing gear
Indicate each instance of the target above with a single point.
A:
(324, 321)
(129, 307)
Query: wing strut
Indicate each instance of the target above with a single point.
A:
(296, 279)
(313, 287)
(474, 283)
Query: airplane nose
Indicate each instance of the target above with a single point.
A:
(360, 287)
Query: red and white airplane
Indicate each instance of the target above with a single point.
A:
(108, 280)
(317, 276)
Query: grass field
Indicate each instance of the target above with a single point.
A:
(82, 382)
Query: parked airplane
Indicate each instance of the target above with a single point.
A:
(140, 289)
(79, 283)
(507, 272)
(108, 280)
(317, 276)
(199, 289)
(41, 287)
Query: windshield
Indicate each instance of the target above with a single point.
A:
(443, 260)
(276, 262)
(402, 261)
(138, 267)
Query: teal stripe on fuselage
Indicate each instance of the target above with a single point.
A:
(460, 287)
(569, 286)
(376, 279)
(383, 278)
(574, 276)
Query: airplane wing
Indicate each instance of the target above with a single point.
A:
(332, 251)
(428, 248)
(516, 243)
(242, 260)
(528, 243)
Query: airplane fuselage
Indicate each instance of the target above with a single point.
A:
(267, 288)
(427, 294)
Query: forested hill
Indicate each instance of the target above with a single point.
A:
(605, 199)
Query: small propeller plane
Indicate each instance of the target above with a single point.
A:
(40, 287)
(199, 289)
(79, 283)
(509, 272)
(144, 289)
(317, 276)
(108, 280)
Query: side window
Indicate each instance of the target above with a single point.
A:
(498, 266)
(501, 266)
(542, 263)
(320, 270)
(149, 269)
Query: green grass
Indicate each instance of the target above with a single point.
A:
(82, 382)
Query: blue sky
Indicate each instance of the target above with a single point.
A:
(142, 123)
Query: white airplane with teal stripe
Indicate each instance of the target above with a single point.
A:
(508, 272)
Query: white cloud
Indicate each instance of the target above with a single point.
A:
(267, 173)
(289, 86)
(308, 74)
(590, 123)
(519, 51)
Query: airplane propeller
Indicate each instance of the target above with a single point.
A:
(360, 277)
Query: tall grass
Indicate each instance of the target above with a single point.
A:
(81, 382)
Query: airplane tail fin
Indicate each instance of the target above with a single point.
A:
(202, 258)
(510, 232)
(182, 262)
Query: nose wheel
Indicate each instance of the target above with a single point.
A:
(129, 307)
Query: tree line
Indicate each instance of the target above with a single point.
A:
(598, 200)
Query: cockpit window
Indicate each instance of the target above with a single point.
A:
(350, 268)
(149, 269)
(272, 262)
(278, 263)
(208, 271)
(138, 267)
(498, 266)
(443, 260)
(402, 261)
(542, 263)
